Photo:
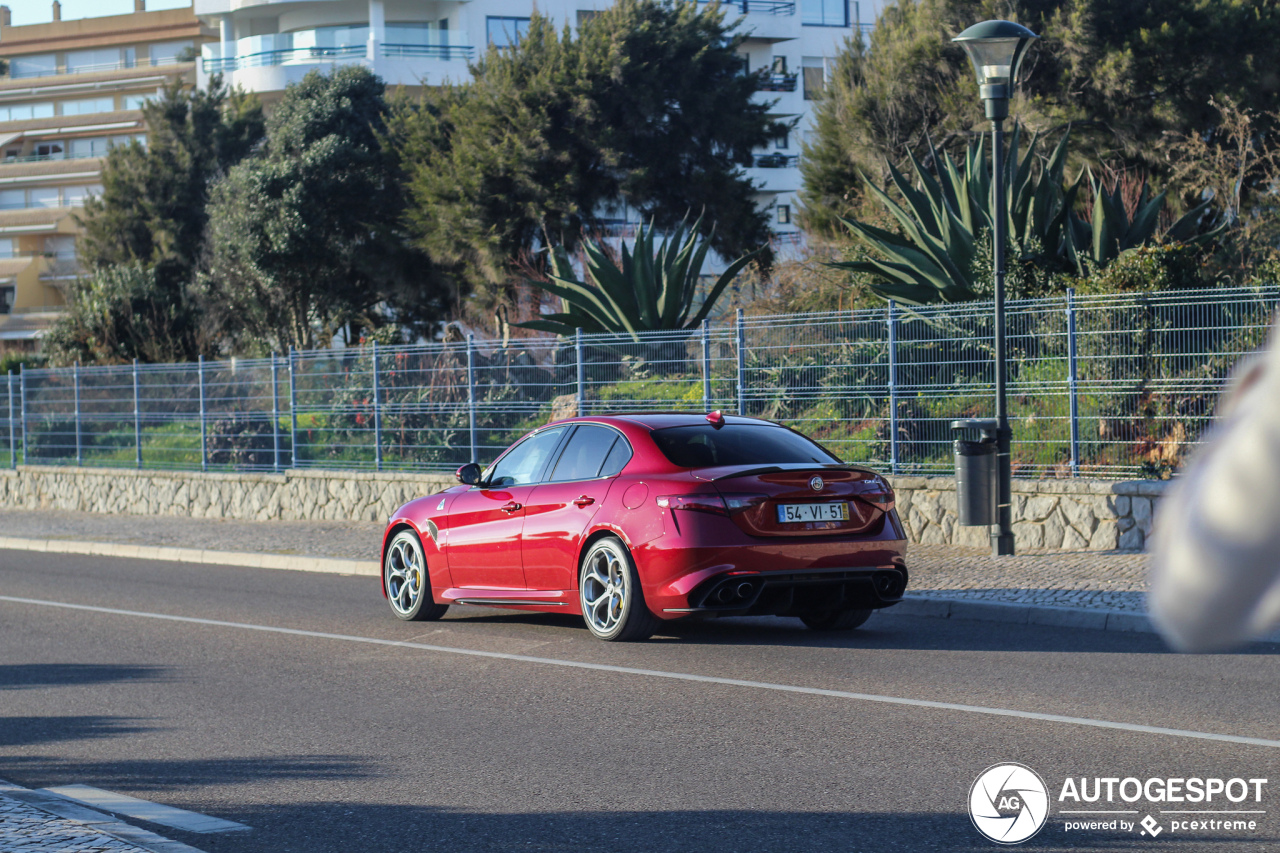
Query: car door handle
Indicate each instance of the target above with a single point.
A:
(511, 507)
(584, 501)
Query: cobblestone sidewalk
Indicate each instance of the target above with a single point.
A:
(1113, 580)
(26, 829)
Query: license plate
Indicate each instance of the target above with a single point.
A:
(813, 512)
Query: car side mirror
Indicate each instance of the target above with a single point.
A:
(468, 474)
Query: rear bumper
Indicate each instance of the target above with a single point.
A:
(683, 572)
(795, 593)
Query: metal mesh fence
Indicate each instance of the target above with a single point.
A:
(1106, 385)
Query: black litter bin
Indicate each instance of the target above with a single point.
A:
(976, 474)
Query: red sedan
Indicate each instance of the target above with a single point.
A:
(634, 519)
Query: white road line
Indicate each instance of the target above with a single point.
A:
(110, 801)
(678, 676)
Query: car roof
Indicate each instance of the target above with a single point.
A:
(663, 420)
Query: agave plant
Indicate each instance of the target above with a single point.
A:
(650, 291)
(1113, 232)
(943, 217)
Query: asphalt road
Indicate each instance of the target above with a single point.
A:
(337, 744)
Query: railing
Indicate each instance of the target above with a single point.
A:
(777, 161)
(769, 7)
(1118, 385)
(429, 51)
(121, 65)
(283, 57)
(778, 83)
(761, 7)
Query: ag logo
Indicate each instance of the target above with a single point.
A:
(1008, 803)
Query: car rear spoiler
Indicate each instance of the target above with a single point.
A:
(778, 469)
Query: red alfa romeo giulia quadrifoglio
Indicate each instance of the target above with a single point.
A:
(633, 519)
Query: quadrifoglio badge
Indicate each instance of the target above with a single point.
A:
(1009, 803)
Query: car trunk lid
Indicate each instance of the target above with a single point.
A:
(754, 494)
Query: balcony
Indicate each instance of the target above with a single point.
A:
(759, 7)
(429, 51)
(334, 44)
(778, 82)
(286, 56)
(777, 161)
(120, 65)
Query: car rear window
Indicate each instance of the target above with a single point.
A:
(706, 446)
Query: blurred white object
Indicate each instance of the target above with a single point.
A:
(1215, 568)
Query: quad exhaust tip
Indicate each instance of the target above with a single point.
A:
(728, 593)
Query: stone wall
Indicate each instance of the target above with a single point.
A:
(1068, 514)
(1097, 515)
(290, 496)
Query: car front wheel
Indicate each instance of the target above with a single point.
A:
(404, 576)
(609, 591)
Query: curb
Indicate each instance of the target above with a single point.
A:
(1092, 618)
(92, 819)
(245, 559)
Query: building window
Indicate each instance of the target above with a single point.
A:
(504, 32)
(6, 247)
(44, 197)
(585, 15)
(824, 13)
(7, 294)
(168, 52)
(26, 112)
(98, 146)
(33, 66)
(49, 150)
(47, 197)
(784, 214)
(136, 102)
(814, 68)
(782, 142)
(100, 59)
(75, 196)
(87, 106)
(779, 65)
(62, 247)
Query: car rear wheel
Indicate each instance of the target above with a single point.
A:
(609, 591)
(404, 576)
(836, 620)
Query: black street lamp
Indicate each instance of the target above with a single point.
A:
(996, 48)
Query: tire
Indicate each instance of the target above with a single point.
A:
(609, 592)
(404, 577)
(836, 620)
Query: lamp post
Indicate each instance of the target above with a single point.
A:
(996, 48)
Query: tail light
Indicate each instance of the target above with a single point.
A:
(694, 503)
(878, 493)
(737, 503)
(728, 504)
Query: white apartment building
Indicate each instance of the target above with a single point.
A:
(264, 45)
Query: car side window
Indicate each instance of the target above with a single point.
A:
(584, 454)
(522, 465)
(619, 456)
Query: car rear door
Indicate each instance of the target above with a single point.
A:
(559, 510)
(486, 521)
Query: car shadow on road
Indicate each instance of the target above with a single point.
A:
(345, 827)
(884, 630)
